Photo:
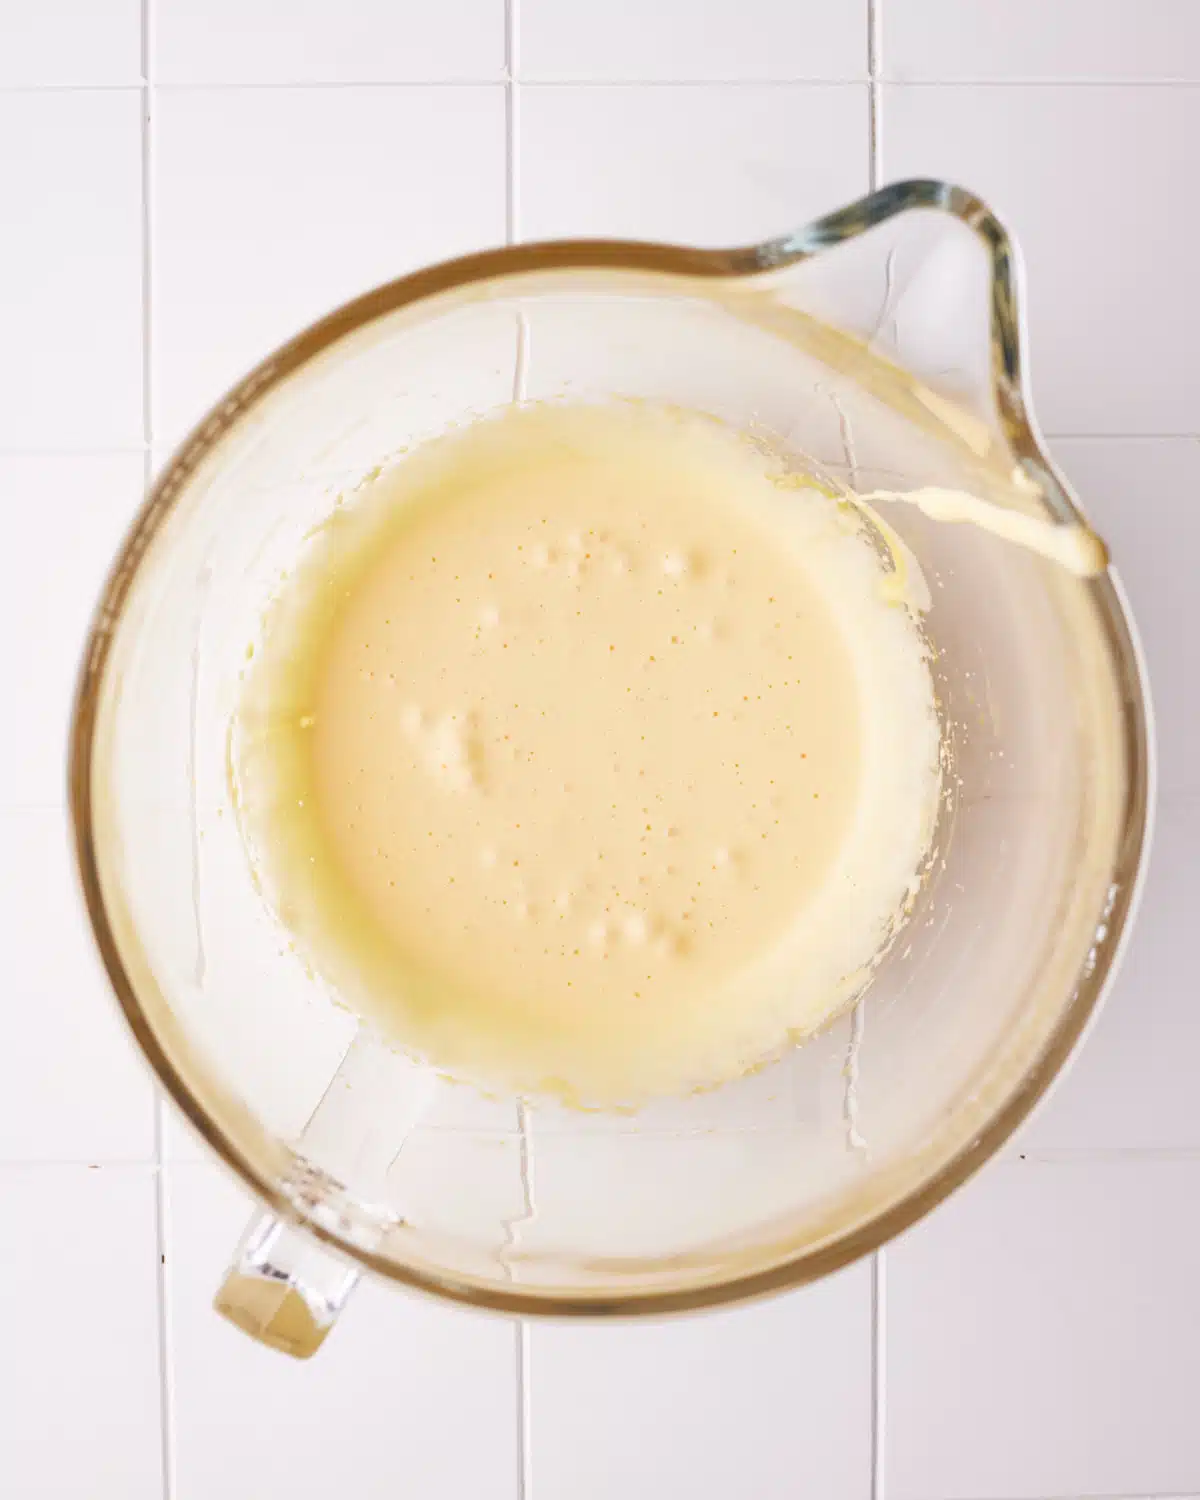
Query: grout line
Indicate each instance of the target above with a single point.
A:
(523, 1345)
(1094, 1156)
(166, 1370)
(874, 91)
(878, 1355)
(524, 1336)
(512, 119)
(512, 212)
(147, 240)
(510, 40)
(510, 163)
(263, 85)
(86, 450)
(1008, 1155)
(133, 85)
(513, 196)
(694, 83)
(331, 85)
(71, 1164)
(519, 1358)
(492, 79)
(1121, 437)
(486, 80)
(1114, 81)
(106, 450)
(161, 1205)
(524, 1412)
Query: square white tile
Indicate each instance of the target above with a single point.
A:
(1142, 495)
(1041, 1336)
(71, 269)
(1133, 1083)
(678, 39)
(311, 41)
(78, 1304)
(64, 516)
(708, 164)
(274, 205)
(1032, 39)
(72, 1089)
(405, 1397)
(771, 1399)
(1089, 180)
(72, 42)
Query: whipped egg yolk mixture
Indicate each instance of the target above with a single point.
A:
(586, 751)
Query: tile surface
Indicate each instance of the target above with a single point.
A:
(272, 206)
(1133, 1083)
(1004, 40)
(70, 512)
(770, 1399)
(70, 177)
(1113, 310)
(1142, 496)
(674, 39)
(71, 42)
(1041, 1336)
(80, 1414)
(357, 41)
(707, 164)
(405, 1397)
(73, 1089)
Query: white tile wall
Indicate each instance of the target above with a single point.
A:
(72, 42)
(766, 1400)
(1093, 177)
(241, 259)
(356, 41)
(70, 269)
(1037, 1339)
(1132, 1086)
(72, 1089)
(71, 511)
(405, 1398)
(78, 1306)
(1138, 40)
(709, 163)
(625, 40)
(1143, 493)
(1041, 1336)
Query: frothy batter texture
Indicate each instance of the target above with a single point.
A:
(586, 751)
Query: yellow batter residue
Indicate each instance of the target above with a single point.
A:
(585, 751)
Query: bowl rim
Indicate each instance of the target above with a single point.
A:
(1009, 390)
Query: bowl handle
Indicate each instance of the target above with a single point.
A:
(285, 1288)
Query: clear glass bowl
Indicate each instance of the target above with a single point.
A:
(882, 343)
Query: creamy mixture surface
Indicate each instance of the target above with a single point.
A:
(587, 751)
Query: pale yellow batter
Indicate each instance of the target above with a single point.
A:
(586, 752)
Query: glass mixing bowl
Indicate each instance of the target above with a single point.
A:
(881, 344)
